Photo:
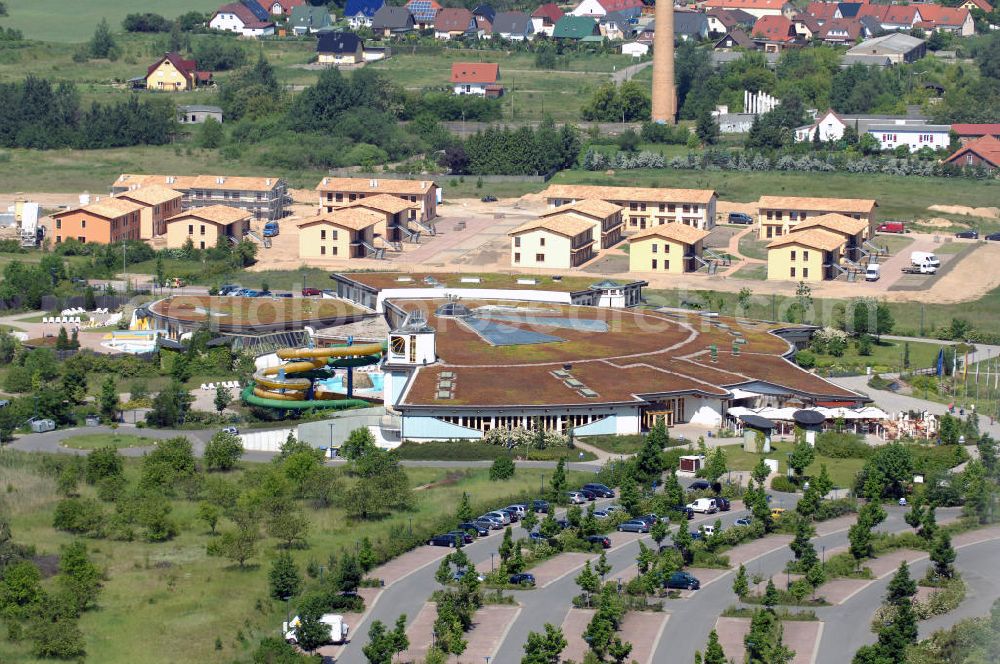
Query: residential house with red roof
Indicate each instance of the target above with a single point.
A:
(822, 11)
(239, 18)
(894, 17)
(982, 5)
(983, 152)
(806, 27)
(775, 33)
(453, 23)
(543, 19)
(758, 8)
(957, 20)
(970, 132)
(476, 78)
(172, 73)
(283, 7)
(600, 8)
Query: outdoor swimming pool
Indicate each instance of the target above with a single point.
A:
(338, 384)
(132, 341)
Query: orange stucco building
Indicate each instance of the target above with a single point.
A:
(104, 222)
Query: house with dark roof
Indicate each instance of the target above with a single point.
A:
(453, 23)
(598, 8)
(721, 21)
(691, 26)
(983, 152)
(515, 26)
(734, 39)
(360, 12)
(283, 7)
(339, 48)
(424, 12)
(172, 73)
(806, 27)
(389, 21)
(847, 9)
(241, 18)
(543, 19)
(575, 28)
(476, 78)
(485, 12)
(306, 19)
(616, 26)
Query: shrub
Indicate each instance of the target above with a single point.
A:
(842, 446)
(831, 509)
(805, 359)
(783, 484)
(502, 469)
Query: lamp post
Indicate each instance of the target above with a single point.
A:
(492, 568)
(411, 526)
(824, 554)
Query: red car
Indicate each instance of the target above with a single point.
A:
(306, 292)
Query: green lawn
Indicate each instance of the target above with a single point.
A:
(886, 356)
(842, 471)
(61, 21)
(90, 441)
(172, 598)
(755, 271)
(616, 444)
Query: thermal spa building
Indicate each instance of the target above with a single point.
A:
(468, 354)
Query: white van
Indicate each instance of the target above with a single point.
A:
(921, 258)
(704, 506)
(873, 272)
(338, 628)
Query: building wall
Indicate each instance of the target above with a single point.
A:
(341, 58)
(638, 215)
(704, 410)
(780, 222)
(326, 241)
(656, 254)
(912, 138)
(90, 228)
(152, 218)
(167, 78)
(204, 234)
(426, 202)
(197, 117)
(540, 248)
(972, 159)
(795, 263)
(470, 89)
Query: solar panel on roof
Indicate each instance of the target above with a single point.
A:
(256, 9)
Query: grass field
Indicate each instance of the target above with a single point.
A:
(886, 356)
(172, 598)
(756, 272)
(617, 444)
(90, 441)
(61, 21)
(841, 471)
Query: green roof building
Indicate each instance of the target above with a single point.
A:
(575, 27)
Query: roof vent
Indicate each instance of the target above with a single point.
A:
(171, 179)
(373, 183)
(220, 180)
(267, 182)
(567, 367)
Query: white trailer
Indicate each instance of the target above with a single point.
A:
(338, 628)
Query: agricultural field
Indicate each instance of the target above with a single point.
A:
(164, 598)
(61, 21)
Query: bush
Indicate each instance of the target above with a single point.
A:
(842, 446)
(805, 359)
(502, 469)
(783, 484)
(831, 509)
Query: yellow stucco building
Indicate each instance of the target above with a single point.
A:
(805, 255)
(643, 207)
(204, 226)
(605, 217)
(172, 73)
(778, 215)
(343, 233)
(670, 248)
(559, 242)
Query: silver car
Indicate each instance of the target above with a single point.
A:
(504, 518)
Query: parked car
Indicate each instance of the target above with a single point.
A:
(776, 512)
(704, 506)
(489, 198)
(971, 234)
(603, 540)
(496, 522)
(479, 528)
(500, 514)
(993, 237)
(462, 535)
(519, 508)
(612, 508)
(443, 540)
(696, 534)
(589, 495)
(576, 498)
(540, 505)
(649, 519)
(232, 430)
(228, 289)
(309, 292)
(682, 581)
(271, 229)
(723, 504)
(683, 509)
(512, 514)
(740, 218)
(460, 574)
(522, 579)
(700, 485)
(891, 227)
(536, 536)
(562, 523)
(709, 529)
(601, 490)
(634, 526)
(743, 521)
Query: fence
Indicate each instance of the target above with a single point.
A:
(468, 128)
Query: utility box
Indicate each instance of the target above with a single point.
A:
(691, 464)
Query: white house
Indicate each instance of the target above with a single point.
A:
(476, 78)
(635, 49)
(831, 128)
(916, 137)
(236, 17)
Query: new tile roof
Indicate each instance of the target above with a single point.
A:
(380, 185)
(833, 222)
(219, 214)
(563, 224)
(773, 5)
(183, 182)
(809, 203)
(968, 129)
(774, 28)
(474, 72)
(185, 67)
(645, 194)
(814, 238)
(593, 207)
(353, 218)
(987, 148)
(944, 16)
(823, 11)
(109, 208)
(152, 195)
(674, 231)
(453, 19)
(383, 203)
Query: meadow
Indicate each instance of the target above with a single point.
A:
(173, 598)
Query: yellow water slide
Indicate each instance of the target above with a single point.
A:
(271, 383)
